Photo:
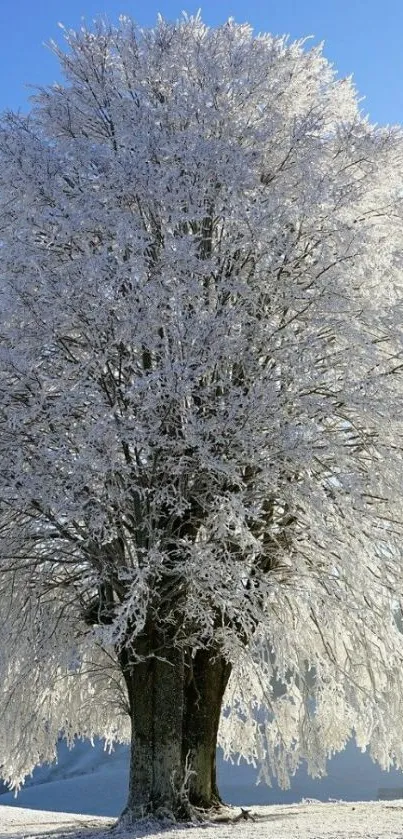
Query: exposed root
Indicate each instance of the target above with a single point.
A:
(187, 817)
(230, 818)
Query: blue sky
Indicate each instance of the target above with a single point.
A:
(362, 37)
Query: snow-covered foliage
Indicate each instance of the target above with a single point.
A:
(201, 392)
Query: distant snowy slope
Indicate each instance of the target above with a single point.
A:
(85, 779)
(101, 794)
(90, 781)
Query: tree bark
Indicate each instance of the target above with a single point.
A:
(156, 691)
(207, 679)
(175, 704)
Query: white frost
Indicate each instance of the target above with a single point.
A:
(201, 393)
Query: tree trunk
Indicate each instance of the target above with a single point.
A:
(155, 689)
(175, 711)
(207, 679)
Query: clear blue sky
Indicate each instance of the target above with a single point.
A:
(362, 37)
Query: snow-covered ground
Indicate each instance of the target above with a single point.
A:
(90, 781)
(307, 820)
(21, 823)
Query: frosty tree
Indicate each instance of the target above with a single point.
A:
(201, 393)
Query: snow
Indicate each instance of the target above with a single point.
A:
(87, 788)
(85, 779)
(93, 782)
(20, 822)
(307, 820)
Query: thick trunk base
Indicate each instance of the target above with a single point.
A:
(175, 708)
